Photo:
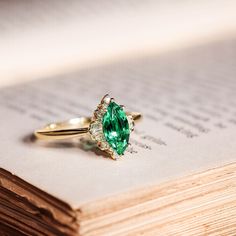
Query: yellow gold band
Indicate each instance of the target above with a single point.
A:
(71, 128)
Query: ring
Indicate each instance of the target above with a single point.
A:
(110, 126)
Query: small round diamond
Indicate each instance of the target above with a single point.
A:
(131, 123)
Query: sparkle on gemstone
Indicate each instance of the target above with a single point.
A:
(116, 128)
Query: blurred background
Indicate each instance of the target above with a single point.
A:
(44, 38)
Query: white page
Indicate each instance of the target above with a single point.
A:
(188, 103)
(38, 38)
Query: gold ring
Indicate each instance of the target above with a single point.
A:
(110, 126)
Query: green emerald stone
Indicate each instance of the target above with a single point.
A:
(116, 128)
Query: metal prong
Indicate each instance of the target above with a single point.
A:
(106, 95)
(114, 156)
(106, 99)
(111, 153)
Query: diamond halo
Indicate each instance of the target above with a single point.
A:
(96, 128)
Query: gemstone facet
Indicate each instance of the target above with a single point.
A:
(116, 128)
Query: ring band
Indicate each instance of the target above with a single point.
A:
(110, 127)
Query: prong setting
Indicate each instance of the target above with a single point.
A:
(96, 129)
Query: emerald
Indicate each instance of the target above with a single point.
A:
(116, 128)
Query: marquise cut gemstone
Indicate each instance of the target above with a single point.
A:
(116, 128)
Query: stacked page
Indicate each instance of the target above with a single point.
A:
(187, 99)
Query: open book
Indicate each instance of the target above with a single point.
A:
(178, 177)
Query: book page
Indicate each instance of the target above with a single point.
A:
(188, 102)
(41, 38)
